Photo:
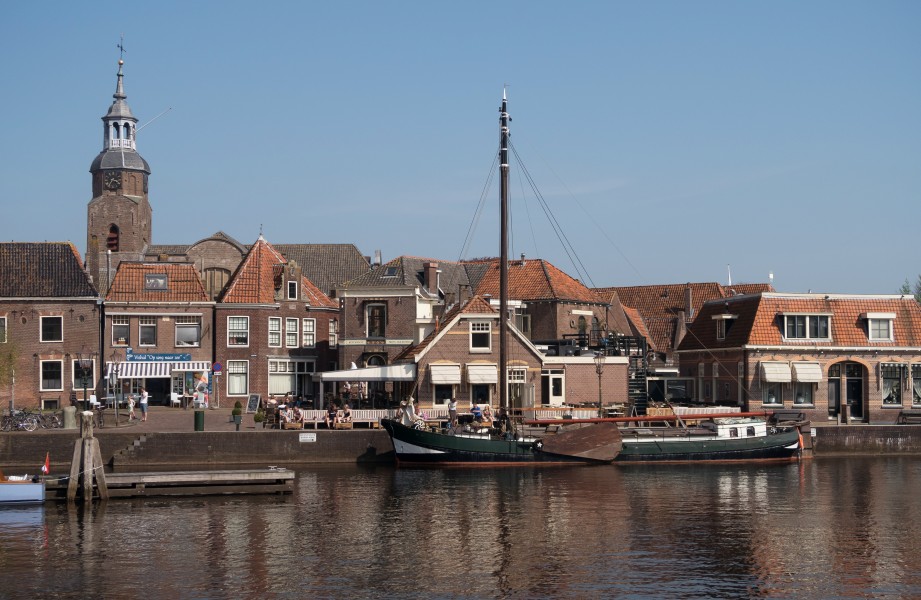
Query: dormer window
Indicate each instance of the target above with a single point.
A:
(292, 290)
(155, 281)
(390, 272)
(724, 324)
(806, 327)
(879, 326)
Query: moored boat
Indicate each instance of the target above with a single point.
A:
(17, 490)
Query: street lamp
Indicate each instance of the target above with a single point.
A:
(116, 384)
(599, 368)
(85, 361)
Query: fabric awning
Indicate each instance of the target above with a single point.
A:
(402, 372)
(480, 373)
(154, 369)
(807, 372)
(778, 372)
(445, 374)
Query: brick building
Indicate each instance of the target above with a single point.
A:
(847, 358)
(49, 318)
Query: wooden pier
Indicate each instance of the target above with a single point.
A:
(187, 483)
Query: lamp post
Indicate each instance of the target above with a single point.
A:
(86, 366)
(116, 384)
(599, 368)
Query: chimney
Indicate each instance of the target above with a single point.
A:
(377, 258)
(463, 293)
(430, 277)
(688, 304)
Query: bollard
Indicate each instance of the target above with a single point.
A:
(199, 420)
(70, 417)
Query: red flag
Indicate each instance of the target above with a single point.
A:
(47, 466)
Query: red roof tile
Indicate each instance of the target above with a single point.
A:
(536, 279)
(130, 283)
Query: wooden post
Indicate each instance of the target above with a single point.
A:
(86, 467)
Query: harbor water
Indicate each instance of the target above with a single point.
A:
(822, 528)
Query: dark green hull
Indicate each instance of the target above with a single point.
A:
(645, 447)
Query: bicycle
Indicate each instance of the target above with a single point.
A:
(19, 421)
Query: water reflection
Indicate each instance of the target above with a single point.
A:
(828, 528)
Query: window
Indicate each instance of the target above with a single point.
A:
(155, 281)
(52, 329)
(552, 387)
(121, 326)
(188, 331)
(480, 336)
(916, 385)
(238, 331)
(284, 375)
(52, 375)
(772, 393)
(148, 331)
(880, 329)
(291, 333)
(237, 376)
(377, 320)
(274, 332)
(803, 393)
(292, 290)
(309, 333)
(801, 327)
(891, 380)
(2, 330)
(333, 333)
(724, 325)
(523, 322)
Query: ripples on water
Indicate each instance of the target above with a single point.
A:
(827, 528)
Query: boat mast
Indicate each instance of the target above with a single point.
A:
(503, 256)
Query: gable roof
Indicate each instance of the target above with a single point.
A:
(182, 283)
(638, 326)
(409, 271)
(759, 320)
(327, 265)
(536, 280)
(43, 270)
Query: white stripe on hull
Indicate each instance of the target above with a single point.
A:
(404, 448)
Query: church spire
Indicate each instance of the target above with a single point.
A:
(119, 126)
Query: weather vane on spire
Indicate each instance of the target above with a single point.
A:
(121, 47)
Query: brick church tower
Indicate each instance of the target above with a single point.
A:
(119, 216)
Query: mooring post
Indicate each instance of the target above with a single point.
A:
(86, 466)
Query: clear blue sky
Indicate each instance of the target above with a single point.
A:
(670, 139)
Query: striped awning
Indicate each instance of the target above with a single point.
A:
(445, 374)
(777, 372)
(480, 373)
(807, 372)
(154, 369)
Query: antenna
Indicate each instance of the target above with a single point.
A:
(152, 120)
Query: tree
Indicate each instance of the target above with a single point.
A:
(908, 290)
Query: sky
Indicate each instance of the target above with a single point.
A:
(671, 142)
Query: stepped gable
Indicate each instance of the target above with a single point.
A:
(327, 266)
(43, 270)
(535, 280)
(130, 283)
(254, 280)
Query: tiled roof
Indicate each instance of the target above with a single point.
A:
(534, 280)
(477, 305)
(315, 296)
(43, 270)
(408, 271)
(760, 320)
(182, 283)
(638, 326)
(254, 280)
(617, 320)
(327, 265)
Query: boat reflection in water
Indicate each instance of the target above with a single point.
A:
(825, 528)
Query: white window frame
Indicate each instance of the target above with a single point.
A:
(122, 322)
(291, 332)
(803, 390)
(188, 322)
(333, 333)
(873, 325)
(240, 329)
(309, 333)
(41, 331)
(807, 326)
(41, 376)
(548, 376)
(765, 393)
(274, 332)
(477, 329)
(237, 370)
(147, 322)
(368, 309)
(292, 290)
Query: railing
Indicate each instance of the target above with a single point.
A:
(121, 143)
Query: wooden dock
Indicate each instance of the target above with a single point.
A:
(187, 483)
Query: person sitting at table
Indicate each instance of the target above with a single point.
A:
(346, 414)
(477, 413)
(332, 415)
(487, 414)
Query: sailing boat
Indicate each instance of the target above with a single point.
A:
(596, 442)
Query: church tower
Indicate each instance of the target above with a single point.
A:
(119, 216)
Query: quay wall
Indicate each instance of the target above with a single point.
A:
(24, 452)
(20, 450)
